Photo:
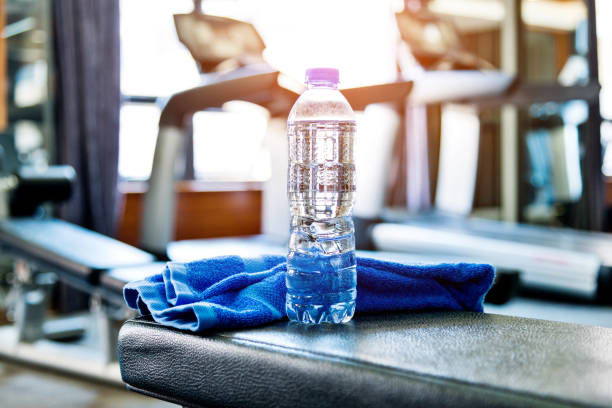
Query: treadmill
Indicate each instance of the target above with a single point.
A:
(577, 263)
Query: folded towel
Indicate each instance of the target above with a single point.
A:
(234, 292)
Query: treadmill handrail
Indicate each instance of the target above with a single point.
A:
(261, 87)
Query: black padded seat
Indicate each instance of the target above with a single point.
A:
(414, 359)
(67, 248)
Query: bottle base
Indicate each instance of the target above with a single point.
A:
(335, 313)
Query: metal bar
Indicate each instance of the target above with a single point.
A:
(592, 201)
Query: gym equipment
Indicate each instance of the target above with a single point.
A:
(258, 84)
(575, 262)
(34, 186)
(46, 250)
(385, 360)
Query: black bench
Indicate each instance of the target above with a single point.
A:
(89, 261)
(78, 255)
(416, 359)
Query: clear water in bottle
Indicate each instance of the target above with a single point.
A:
(321, 275)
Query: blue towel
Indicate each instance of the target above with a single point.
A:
(234, 292)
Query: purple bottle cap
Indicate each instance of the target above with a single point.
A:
(323, 75)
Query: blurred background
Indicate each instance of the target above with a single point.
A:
(483, 134)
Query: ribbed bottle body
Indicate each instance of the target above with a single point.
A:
(321, 264)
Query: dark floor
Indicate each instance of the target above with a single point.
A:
(26, 387)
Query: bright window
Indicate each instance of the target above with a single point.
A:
(153, 61)
(604, 48)
(229, 145)
(137, 136)
(349, 35)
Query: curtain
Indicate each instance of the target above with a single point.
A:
(86, 48)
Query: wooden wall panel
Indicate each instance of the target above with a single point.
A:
(199, 214)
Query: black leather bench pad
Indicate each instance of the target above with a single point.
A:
(66, 247)
(435, 359)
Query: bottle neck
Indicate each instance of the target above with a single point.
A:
(322, 85)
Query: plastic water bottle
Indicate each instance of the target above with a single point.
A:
(321, 275)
